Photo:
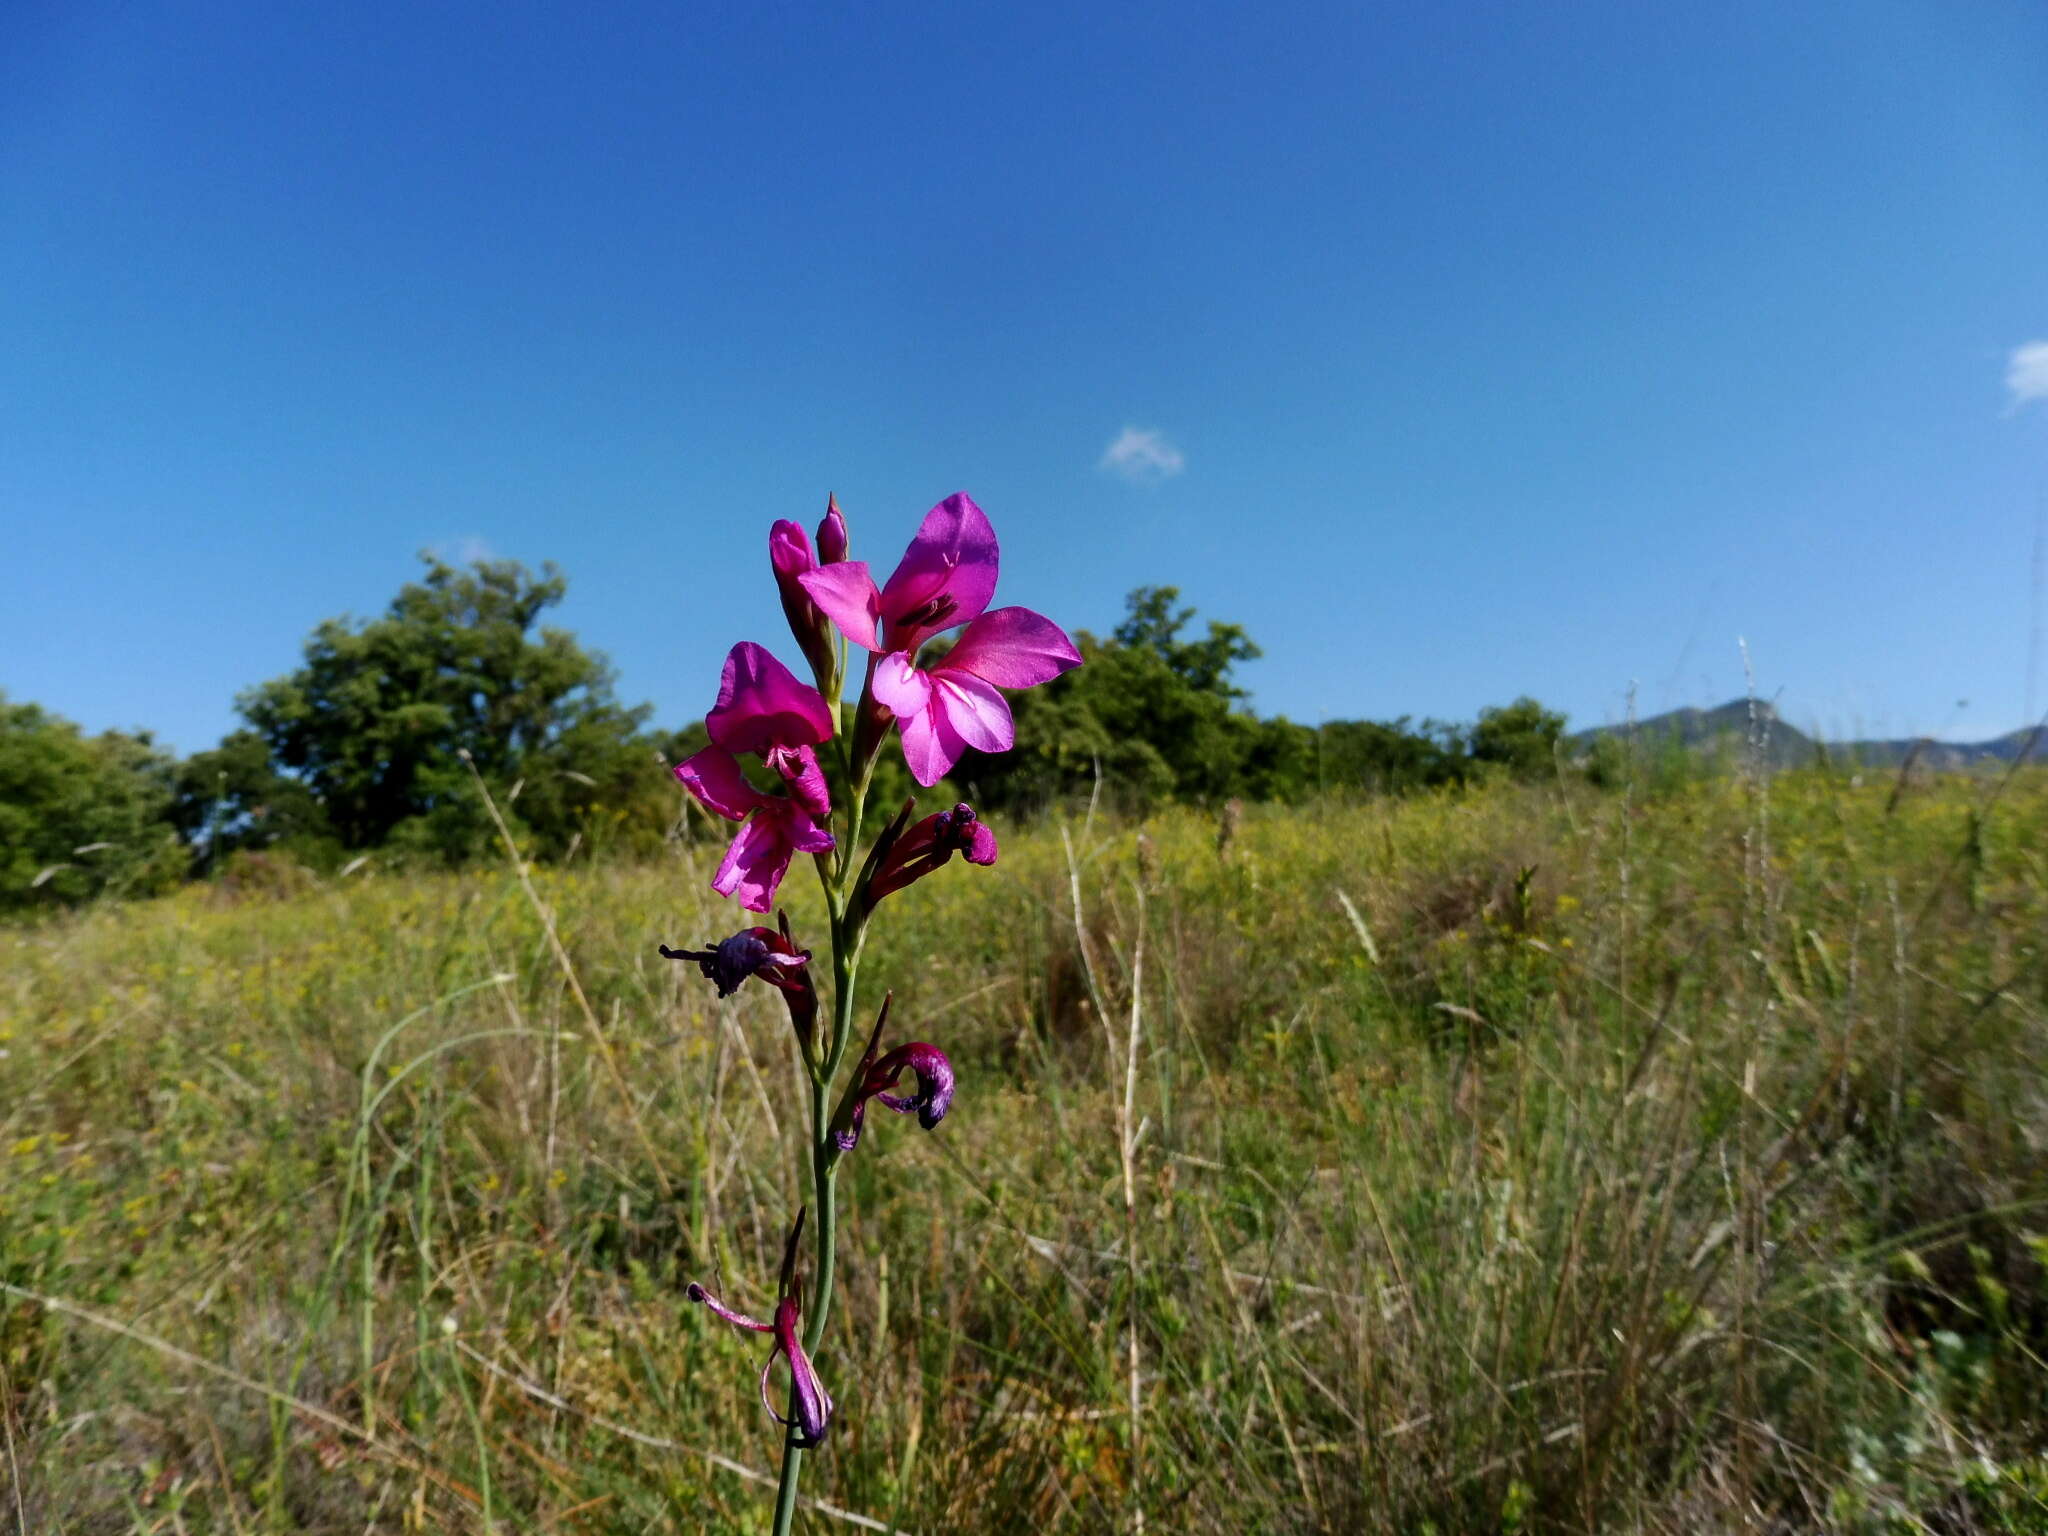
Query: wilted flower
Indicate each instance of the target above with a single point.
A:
(774, 957)
(764, 710)
(945, 579)
(877, 1078)
(731, 961)
(813, 1404)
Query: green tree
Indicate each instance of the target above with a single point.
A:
(81, 815)
(1156, 714)
(233, 796)
(1389, 756)
(1276, 759)
(1152, 626)
(376, 720)
(1521, 737)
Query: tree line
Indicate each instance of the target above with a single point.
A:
(377, 742)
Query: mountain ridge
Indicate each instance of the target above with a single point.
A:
(1728, 728)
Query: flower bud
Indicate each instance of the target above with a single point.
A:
(832, 544)
(789, 554)
(927, 845)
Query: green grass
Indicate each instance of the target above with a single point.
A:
(1525, 1160)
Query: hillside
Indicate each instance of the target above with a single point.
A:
(1725, 733)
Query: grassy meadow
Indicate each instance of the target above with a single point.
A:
(1523, 1159)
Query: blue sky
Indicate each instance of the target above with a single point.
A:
(1457, 351)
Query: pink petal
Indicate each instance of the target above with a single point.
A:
(900, 687)
(806, 780)
(1013, 648)
(714, 777)
(976, 710)
(697, 1292)
(946, 577)
(789, 549)
(812, 1402)
(805, 835)
(847, 593)
(761, 705)
(756, 862)
(930, 746)
(982, 845)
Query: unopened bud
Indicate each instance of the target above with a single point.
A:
(789, 553)
(832, 543)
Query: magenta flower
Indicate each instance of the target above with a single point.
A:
(764, 710)
(813, 1404)
(877, 1079)
(945, 579)
(926, 846)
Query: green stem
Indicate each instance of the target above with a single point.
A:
(846, 947)
(825, 1192)
(785, 1490)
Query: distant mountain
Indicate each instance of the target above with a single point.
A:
(1951, 754)
(1725, 731)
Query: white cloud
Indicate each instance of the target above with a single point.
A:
(2026, 373)
(467, 550)
(1143, 456)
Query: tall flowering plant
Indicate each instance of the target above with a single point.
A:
(816, 749)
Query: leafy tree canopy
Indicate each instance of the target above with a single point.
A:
(1151, 629)
(363, 746)
(1157, 714)
(81, 815)
(374, 724)
(1154, 712)
(1522, 737)
(233, 796)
